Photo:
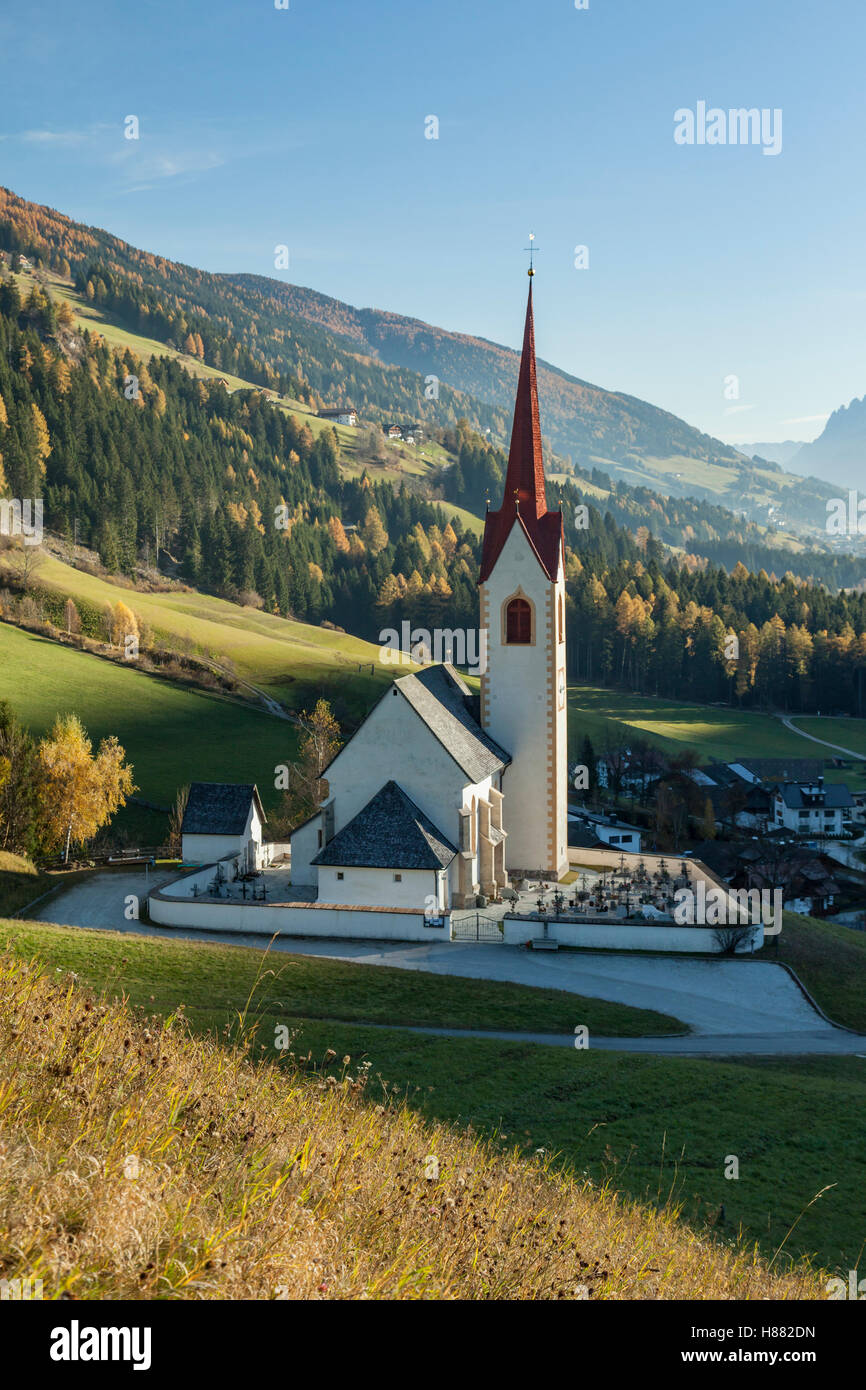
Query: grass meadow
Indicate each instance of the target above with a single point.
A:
(172, 734)
(658, 1130)
(144, 1161)
(716, 732)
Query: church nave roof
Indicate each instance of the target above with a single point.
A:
(439, 697)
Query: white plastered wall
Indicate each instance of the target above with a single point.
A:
(524, 709)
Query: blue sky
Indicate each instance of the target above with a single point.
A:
(306, 127)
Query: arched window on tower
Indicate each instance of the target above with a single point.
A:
(561, 620)
(518, 622)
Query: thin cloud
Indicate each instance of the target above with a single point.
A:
(55, 137)
(145, 170)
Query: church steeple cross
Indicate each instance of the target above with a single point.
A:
(531, 248)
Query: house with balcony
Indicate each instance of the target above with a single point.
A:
(813, 808)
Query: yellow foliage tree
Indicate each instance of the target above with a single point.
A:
(373, 532)
(77, 792)
(338, 534)
(124, 624)
(43, 438)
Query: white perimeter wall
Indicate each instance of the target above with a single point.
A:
(174, 906)
(630, 936)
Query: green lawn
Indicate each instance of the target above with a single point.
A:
(847, 733)
(214, 981)
(674, 725)
(171, 734)
(830, 959)
(291, 660)
(648, 1125)
(20, 882)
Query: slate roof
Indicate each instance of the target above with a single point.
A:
(782, 769)
(610, 822)
(831, 796)
(442, 699)
(581, 836)
(219, 808)
(391, 832)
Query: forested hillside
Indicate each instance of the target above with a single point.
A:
(240, 327)
(143, 462)
(319, 350)
(244, 499)
(248, 503)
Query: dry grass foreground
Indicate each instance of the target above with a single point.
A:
(137, 1161)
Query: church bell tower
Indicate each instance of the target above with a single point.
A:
(522, 599)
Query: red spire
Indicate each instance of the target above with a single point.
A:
(525, 476)
(524, 501)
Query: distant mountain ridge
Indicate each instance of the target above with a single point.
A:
(782, 453)
(585, 421)
(840, 449)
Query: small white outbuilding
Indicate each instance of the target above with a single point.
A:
(223, 818)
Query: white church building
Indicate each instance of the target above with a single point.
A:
(440, 794)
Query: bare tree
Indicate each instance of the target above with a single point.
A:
(24, 562)
(731, 938)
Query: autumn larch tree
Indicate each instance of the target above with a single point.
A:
(320, 742)
(78, 792)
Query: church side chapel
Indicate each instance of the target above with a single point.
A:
(441, 794)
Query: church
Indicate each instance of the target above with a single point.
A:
(442, 793)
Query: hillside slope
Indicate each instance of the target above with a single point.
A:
(291, 339)
(199, 1175)
(172, 735)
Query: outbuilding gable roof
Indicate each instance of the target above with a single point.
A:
(220, 808)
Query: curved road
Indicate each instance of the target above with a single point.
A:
(849, 752)
(732, 1007)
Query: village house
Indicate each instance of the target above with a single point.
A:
(813, 808)
(606, 828)
(339, 415)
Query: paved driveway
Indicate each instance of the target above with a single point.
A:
(731, 1006)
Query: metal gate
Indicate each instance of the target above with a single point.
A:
(477, 927)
